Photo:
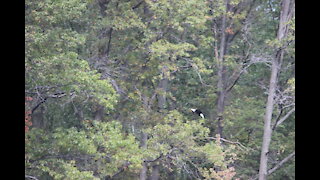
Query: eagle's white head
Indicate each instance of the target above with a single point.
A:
(193, 110)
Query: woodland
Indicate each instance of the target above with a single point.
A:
(110, 84)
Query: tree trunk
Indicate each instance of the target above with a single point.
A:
(221, 75)
(143, 171)
(267, 122)
(220, 109)
(37, 118)
(286, 12)
(99, 113)
(155, 172)
(162, 96)
(163, 86)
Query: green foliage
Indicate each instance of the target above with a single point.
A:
(178, 14)
(73, 75)
(76, 49)
(163, 49)
(59, 169)
(123, 17)
(100, 148)
(56, 68)
(185, 142)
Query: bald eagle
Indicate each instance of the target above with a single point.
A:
(197, 111)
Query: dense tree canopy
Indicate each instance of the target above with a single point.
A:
(110, 84)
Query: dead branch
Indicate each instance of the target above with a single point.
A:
(285, 117)
(228, 141)
(31, 177)
(276, 167)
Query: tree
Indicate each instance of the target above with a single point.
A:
(185, 147)
(112, 84)
(56, 70)
(287, 10)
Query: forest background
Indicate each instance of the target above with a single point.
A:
(109, 86)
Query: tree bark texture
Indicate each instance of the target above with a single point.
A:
(267, 122)
(163, 86)
(162, 101)
(285, 15)
(38, 118)
(144, 169)
(155, 172)
(221, 75)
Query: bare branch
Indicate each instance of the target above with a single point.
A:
(289, 105)
(38, 105)
(116, 86)
(237, 77)
(200, 78)
(195, 67)
(137, 5)
(284, 97)
(276, 167)
(31, 177)
(44, 99)
(252, 60)
(285, 117)
(228, 141)
(153, 160)
(261, 59)
(281, 163)
(153, 98)
(278, 117)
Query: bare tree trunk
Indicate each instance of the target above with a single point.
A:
(38, 118)
(155, 172)
(220, 107)
(143, 171)
(267, 122)
(226, 82)
(286, 12)
(221, 75)
(163, 86)
(162, 96)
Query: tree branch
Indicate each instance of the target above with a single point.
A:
(153, 160)
(198, 73)
(285, 117)
(276, 167)
(281, 163)
(56, 95)
(31, 177)
(238, 77)
(228, 141)
(109, 42)
(278, 118)
(137, 5)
